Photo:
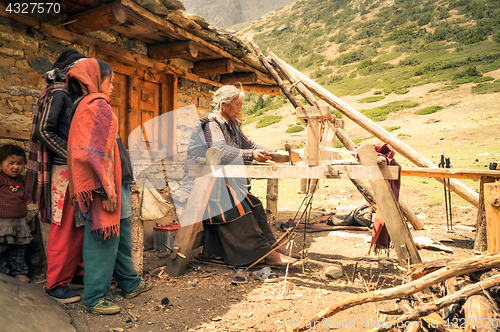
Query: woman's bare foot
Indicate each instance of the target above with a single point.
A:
(275, 258)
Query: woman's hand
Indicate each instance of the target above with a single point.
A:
(109, 206)
(261, 155)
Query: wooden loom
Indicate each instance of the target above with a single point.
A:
(373, 170)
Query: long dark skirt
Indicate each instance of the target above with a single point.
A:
(239, 242)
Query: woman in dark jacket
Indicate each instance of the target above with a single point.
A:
(235, 222)
(50, 136)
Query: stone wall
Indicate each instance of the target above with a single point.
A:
(25, 55)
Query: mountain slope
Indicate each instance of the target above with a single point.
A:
(356, 46)
(232, 13)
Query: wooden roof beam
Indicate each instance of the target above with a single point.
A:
(237, 78)
(224, 66)
(184, 49)
(101, 47)
(264, 89)
(98, 18)
(179, 33)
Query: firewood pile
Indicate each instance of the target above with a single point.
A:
(443, 295)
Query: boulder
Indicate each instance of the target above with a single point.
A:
(26, 308)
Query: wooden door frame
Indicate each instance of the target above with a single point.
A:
(168, 93)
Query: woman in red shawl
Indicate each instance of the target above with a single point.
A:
(103, 199)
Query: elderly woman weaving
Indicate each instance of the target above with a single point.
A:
(235, 223)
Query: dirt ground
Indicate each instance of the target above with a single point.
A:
(203, 299)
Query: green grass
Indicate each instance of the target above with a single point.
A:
(432, 90)
(359, 140)
(268, 120)
(295, 129)
(429, 110)
(378, 92)
(402, 91)
(486, 88)
(380, 113)
(371, 99)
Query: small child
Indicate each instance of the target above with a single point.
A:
(14, 230)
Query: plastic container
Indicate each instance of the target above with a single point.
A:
(164, 235)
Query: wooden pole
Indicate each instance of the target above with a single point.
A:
(275, 75)
(453, 269)
(379, 132)
(272, 201)
(492, 209)
(481, 244)
(398, 230)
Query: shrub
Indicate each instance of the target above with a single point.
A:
(393, 128)
(432, 90)
(410, 62)
(378, 92)
(337, 114)
(429, 110)
(295, 129)
(469, 72)
(268, 120)
(402, 91)
(449, 87)
(371, 99)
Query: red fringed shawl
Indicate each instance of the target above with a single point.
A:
(93, 156)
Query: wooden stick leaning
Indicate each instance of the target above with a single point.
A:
(379, 132)
(275, 75)
(443, 302)
(346, 141)
(453, 269)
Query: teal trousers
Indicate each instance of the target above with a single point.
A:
(106, 259)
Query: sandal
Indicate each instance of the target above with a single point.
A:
(240, 277)
(266, 275)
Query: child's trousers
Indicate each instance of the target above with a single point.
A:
(12, 259)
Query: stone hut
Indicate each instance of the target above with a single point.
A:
(162, 59)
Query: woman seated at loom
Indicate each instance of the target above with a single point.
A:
(235, 222)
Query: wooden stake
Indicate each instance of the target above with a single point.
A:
(272, 201)
(398, 230)
(481, 243)
(492, 209)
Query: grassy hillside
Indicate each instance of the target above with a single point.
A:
(428, 71)
(351, 47)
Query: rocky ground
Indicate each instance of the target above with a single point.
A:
(204, 299)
